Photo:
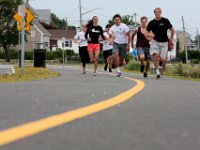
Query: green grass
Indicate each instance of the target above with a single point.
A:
(178, 71)
(30, 74)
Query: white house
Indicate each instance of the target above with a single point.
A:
(57, 37)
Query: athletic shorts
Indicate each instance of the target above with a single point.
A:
(144, 51)
(93, 47)
(160, 48)
(120, 48)
(107, 53)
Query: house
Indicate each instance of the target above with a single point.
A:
(44, 15)
(57, 37)
(42, 36)
(188, 41)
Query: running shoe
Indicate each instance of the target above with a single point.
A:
(94, 74)
(158, 77)
(105, 67)
(142, 68)
(110, 70)
(118, 74)
(145, 75)
(83, 72)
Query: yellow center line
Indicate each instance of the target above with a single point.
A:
(23, 131)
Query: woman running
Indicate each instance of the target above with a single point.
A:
(80, 39)
(107, 50)
(94, 31)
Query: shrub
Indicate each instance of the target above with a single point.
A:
(133, 65)
(187, 71)
(128, 58)
(195, 61)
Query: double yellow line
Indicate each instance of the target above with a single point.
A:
(35, 127)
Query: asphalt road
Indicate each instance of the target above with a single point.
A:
(163, 116)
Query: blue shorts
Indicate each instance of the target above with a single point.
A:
(144, 51)
(120, 48)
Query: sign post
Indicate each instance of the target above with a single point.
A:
(63, 46)
(22, 37)
(33, 36)
(24, 17)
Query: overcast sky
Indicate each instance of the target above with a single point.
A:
(172, 9)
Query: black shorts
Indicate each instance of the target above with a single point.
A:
(107, 53)
(84, 54)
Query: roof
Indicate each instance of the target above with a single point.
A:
(44, 15)
(59, 34)
(41, 28)
(33, 11)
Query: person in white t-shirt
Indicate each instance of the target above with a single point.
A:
(80, 39)
(107, 50)
(120, 34)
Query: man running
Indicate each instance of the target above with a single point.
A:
(159, 46)
(120, 34)
(94, 31)
(107, 50)
(142, 45)
(80, 39)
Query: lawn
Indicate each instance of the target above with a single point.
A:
(179, 71)
(30, 74)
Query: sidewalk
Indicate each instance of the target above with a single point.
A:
(5, 69)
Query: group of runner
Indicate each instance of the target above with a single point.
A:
(152, 40)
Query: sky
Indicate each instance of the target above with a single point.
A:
(172, 9)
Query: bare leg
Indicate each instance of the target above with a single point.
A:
(91, 54)
(97, 52)
(164, 62)
(110, 62)
(116, 59)
(147, 66)
(142, 57)
(156, 60)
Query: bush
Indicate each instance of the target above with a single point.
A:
(133, 65)
(187, 71)
(2, 55)
(195, 61)
(55, 55)
(128, 58)
(191, 55)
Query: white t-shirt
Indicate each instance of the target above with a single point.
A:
(119, 33)
(81, 38)
(106, 45)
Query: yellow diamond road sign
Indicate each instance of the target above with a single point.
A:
(26, 28)
(28, 17)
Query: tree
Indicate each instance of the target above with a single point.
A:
(59, 23)
(8, 27)
(127, 19)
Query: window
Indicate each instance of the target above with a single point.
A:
(67, 44)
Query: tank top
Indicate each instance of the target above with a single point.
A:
(141, 39)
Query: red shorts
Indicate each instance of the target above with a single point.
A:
(93, 47)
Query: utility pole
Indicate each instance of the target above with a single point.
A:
(80, 11)
(185, 46)
(135, 17)
(197, 39)
(23, 37)
(66, 24)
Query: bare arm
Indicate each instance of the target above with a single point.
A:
(132, 38)
(129, 40)
(171, 42)
(172, 33)
(101, 32)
